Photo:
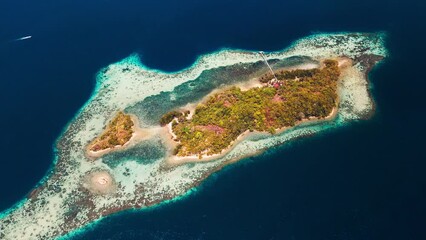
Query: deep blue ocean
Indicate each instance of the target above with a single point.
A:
(363, 181)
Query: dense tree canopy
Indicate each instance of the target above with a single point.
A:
(217, 122)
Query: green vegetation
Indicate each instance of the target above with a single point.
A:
(118, 132)
(168, 117)
(292, 74)
(297, 95)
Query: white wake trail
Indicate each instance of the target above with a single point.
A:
(23, 38)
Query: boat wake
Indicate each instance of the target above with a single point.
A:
(22, 38)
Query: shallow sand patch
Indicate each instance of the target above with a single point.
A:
(100, 182)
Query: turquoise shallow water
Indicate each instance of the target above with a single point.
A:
(362, 181)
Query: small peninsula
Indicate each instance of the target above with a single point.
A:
(148, 137)
(118, 132)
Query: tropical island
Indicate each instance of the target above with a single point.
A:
(286, 98)
(138, 141)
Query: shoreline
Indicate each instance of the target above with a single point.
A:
(173, 160)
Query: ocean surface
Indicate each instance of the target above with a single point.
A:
(362, 181)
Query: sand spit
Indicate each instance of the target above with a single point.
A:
(72, 196)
